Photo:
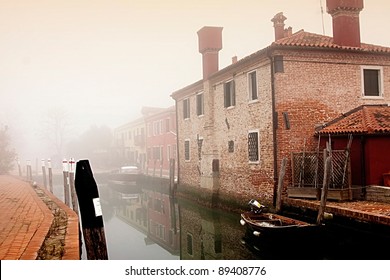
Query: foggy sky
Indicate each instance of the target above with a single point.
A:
(102, 60)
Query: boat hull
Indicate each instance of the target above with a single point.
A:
(269, 225)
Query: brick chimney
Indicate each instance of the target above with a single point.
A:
(210, 43)
(278, 21)
(345, 16)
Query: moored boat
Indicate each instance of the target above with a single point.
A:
(265, 224)
(126, 175)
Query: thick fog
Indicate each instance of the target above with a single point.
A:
(77, 66)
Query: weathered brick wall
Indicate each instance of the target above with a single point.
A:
(237, 175)
(315, 88)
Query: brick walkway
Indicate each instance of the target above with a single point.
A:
(25, 221)
(366, 211)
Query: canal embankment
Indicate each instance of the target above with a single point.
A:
(35, 224)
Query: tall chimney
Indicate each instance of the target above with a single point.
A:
(210, 43)
(345, 16)
(278, 21)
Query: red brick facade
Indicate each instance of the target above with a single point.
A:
(303, 80)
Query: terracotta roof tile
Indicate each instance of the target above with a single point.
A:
(307, 39)
(366, 119)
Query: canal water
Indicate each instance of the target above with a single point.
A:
(146, 222)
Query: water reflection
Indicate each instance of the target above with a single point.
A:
(140, 223)
(150, 223)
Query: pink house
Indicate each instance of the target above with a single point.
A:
(160, 140)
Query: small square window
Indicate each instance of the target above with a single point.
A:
(372, 81)
(278, 64)
(231, 146)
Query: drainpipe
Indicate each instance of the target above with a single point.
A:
(177, 143)
(274, 127)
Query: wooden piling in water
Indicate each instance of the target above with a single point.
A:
(66, 187)
(50, 171)
(72, 187)
(20, 169)
(324, 193)
(28, 171)
(280, 185)
(90, 212)
(44, 174)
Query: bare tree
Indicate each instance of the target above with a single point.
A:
(55, 127)
(7, 155)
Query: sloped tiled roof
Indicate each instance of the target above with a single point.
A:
(366, 119)
(307, 39)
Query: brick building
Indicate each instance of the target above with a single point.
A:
(236, 124)
(148, 142)
(129, 144)
(160, 139)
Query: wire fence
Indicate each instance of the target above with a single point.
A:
(308, 169)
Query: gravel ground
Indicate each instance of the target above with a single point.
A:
(53, 246)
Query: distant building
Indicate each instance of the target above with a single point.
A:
(148, 142)
(238, 123)
(161, 140)
(130, 144)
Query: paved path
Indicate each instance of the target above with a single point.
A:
(25, 221)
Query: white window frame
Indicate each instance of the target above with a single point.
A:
(250, 88)
(380, 82)
(258, 145)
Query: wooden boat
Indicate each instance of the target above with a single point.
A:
(265, 224)
(274, 224)
(126, 175)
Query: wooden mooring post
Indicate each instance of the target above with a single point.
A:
(72, 188)
(280, 185)
(90, 212)
(44, 173)
(66, 186)
(29, 170)
(324, 193)
(50, 171)
(19, 169)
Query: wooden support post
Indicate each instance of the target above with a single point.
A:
(66, 186)
(20, 169)
(49, 168)
(72, 187)
(280, 185)
(29, 171)
(90, 212)
(44, 173)
(324, 193)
